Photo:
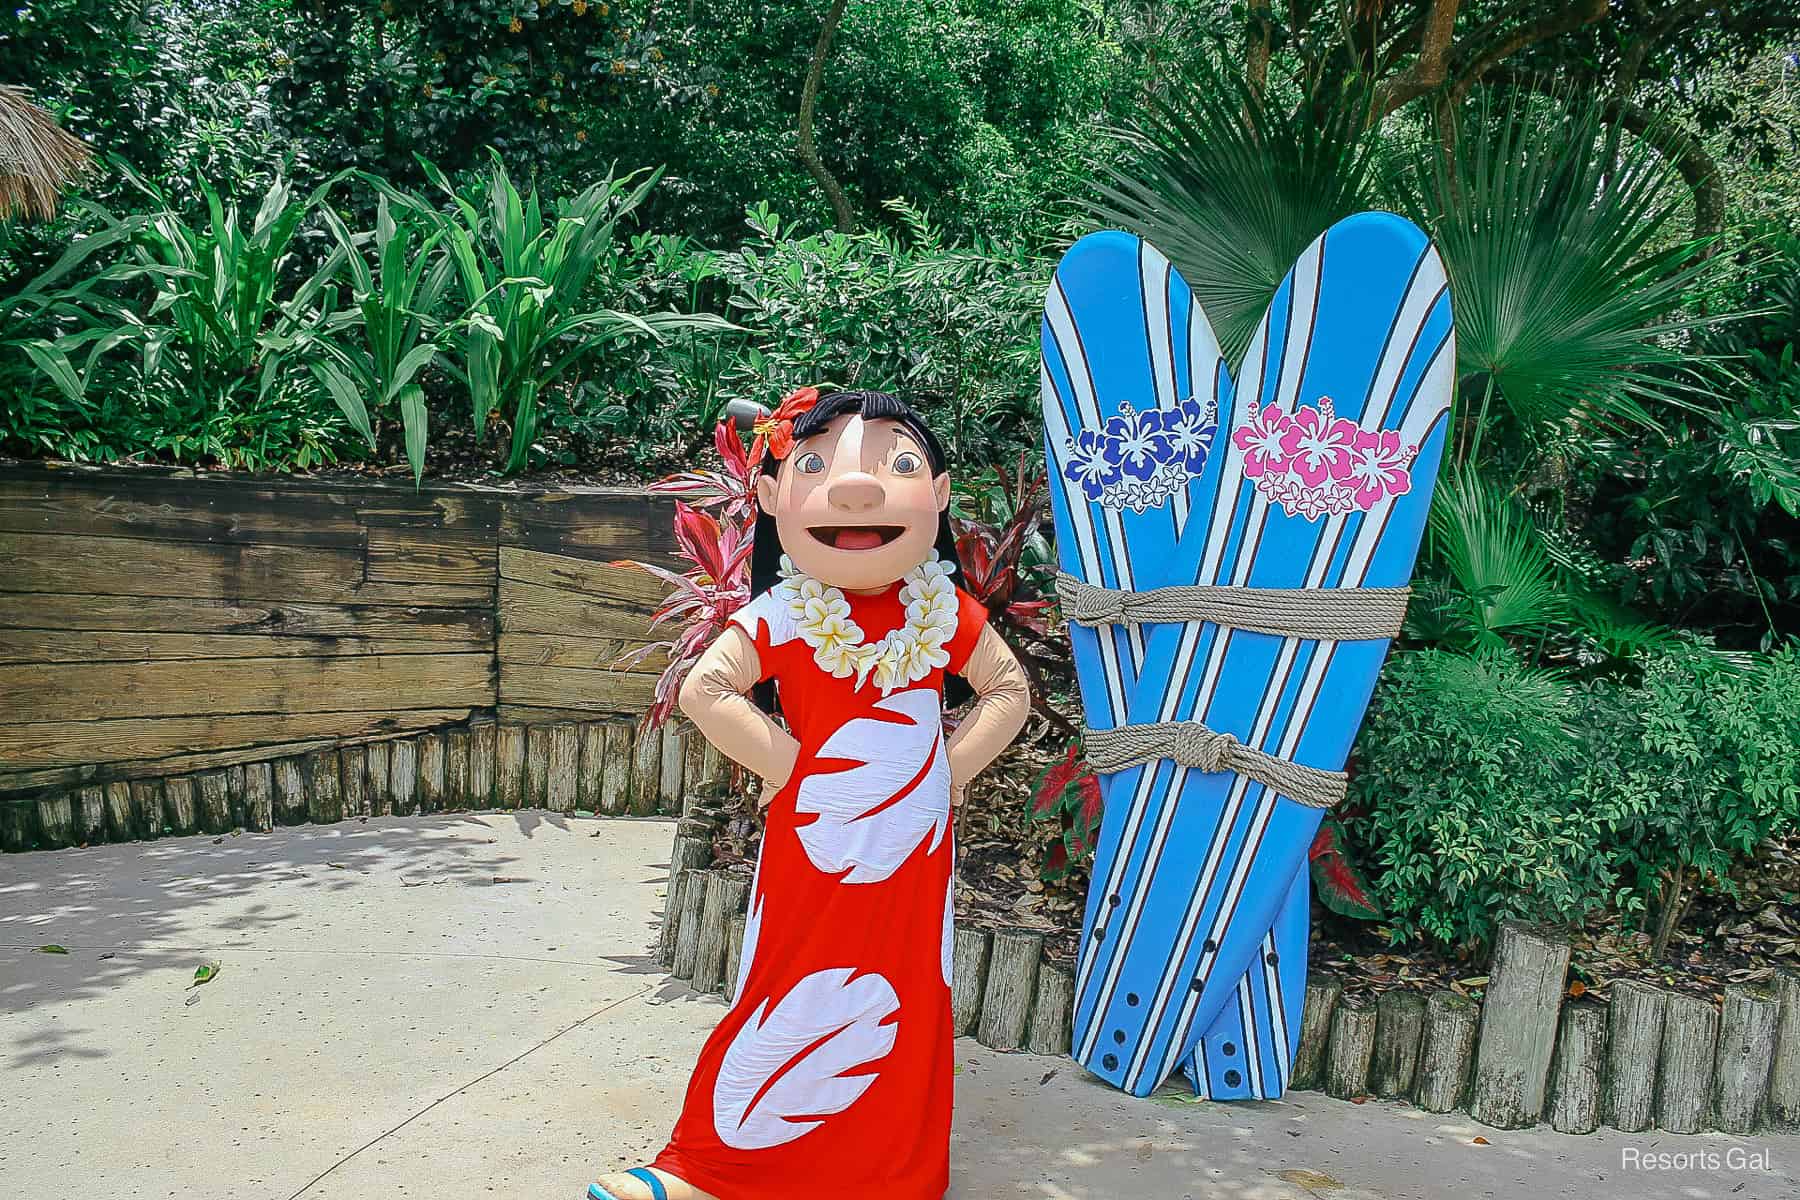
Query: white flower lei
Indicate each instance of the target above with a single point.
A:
(904, 656)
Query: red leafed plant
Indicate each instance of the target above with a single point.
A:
(992, 554)
(717, 582)
(1068, 793)
(1337, 881)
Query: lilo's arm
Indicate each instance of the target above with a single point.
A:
(714, 697)
(1003, 700)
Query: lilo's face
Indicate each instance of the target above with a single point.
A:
(856, 504)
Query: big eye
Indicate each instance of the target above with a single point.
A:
(906, 463)
(810, 463)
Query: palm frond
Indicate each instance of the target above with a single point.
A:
(1572, 289)
(1233, 188)
(37, 158)
(1496, 567)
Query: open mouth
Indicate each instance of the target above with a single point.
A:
(856, 537)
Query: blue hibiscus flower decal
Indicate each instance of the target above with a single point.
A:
(1093, 463)
(1190, 428)
(1143, 447)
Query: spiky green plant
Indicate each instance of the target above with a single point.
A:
(378, 348)
(523, 276)
(1575, 293)
(1233, 186)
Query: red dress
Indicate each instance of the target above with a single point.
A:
(831, 1070)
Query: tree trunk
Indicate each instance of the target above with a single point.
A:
(808, 149)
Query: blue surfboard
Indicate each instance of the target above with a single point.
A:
(1320, 478)
(1123, 340)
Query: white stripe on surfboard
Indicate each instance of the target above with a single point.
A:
(1414, 428)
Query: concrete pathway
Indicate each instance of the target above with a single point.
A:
(464, 1006)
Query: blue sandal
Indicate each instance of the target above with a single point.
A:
(657, 1191)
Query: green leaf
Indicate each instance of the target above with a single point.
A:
(412, 416)
(349, 399)
(205, 973)
(52, 948)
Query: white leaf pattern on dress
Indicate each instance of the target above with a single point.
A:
(865, 824)
(787, 1068)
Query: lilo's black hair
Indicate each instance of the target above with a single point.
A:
(765, 554)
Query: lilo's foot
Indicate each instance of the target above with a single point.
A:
(645, 1183)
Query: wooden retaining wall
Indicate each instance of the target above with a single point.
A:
(160, 623)
(1526, 1055)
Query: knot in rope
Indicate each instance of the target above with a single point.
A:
(1196, 746)
(1090, 605)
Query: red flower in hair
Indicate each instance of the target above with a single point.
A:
(775, 432)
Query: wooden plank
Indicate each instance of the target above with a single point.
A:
(433, 771)
(725, 897)
(56, 820)
(969, 951)
(688, 853)
(590, 769)
(1011, 986)
(615, 786)
(646, 771)
(560, 769)
(734, 953)
(431, 556)
(1684, 1083)
(18, 825)
(90, 815)
(1634, 1040)
(84, 565)
(483, 746)
(1446, 1052)
(187, 508)
(687, 929)
(381, 801)
(570, 695)
(26, 646)
(1052, 1013)
(456, 769)
(570, 651)
(1351, 1048)
(592, 524)
(1784, 1071)
(1322, 996)
(509, 766)
(673, 905)
(135, 691)
(668, 783)
(277, 620)
(1746, 1051)
(356, 780)
(214, 800)
(179, 815)
(1399, 1034)
(403, 777)
(323, 773)
(537, 766)
(624, 586)
(1575, 1071)
(146, 807)
(119, 824)
(527, 607)
(155, 745)
(259, 797)
(1518, 1026)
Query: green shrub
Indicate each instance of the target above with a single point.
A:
(1494, 789)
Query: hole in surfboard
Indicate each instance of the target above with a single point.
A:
(1119, 1036)
(1197, 985)
(1270, 958)
(1232, 1078)
(1131, 998)
(1210, 946)
(1111, 1062)
(1230, 1048)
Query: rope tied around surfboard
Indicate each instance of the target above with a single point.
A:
(1318, 614)
(1193, 745)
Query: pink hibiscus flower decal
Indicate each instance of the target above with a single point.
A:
(1378, 467)
(1317, 444)
(1260, 440)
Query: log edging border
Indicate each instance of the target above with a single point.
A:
(1422, 1050)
